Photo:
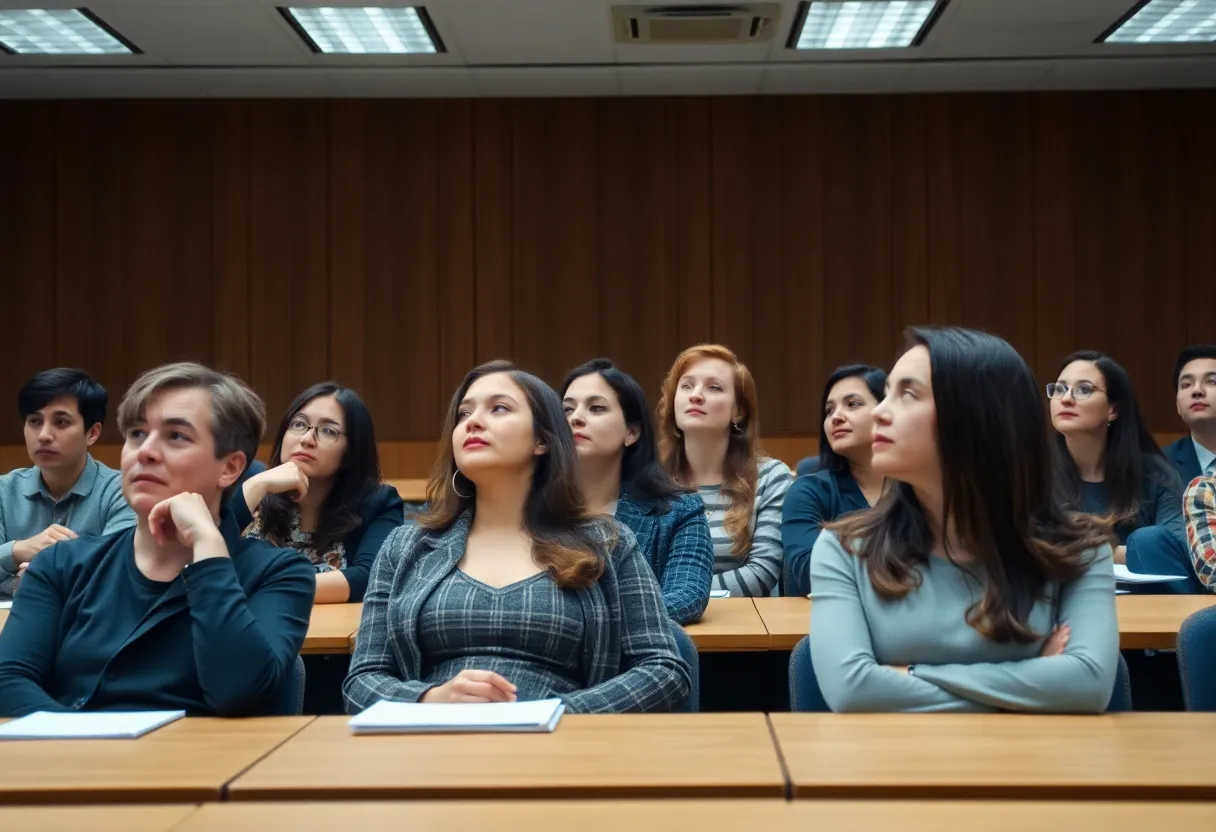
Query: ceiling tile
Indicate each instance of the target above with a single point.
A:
(1143, 73)
(792, 79)
(151, 82)
(970, 76)
(496, 32)
(412, 82)
(547, 82)
(691, 80)
(263, 83)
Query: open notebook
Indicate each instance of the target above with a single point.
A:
(539, 716)
(110, 725)
(1123, 575)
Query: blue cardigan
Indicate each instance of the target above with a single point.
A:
(813, 500)
(220, 641)
(678, 548)
(381, 512)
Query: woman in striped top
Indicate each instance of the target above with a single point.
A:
(709, 425)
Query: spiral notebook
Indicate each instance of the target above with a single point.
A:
(538, 716)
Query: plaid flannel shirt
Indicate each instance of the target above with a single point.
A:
(1199, 506)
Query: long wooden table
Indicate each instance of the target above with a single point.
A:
(1145, 621)
(1131, 756)
(331, 629)
(729, 625)
(702, 815)
(93, 818)
(588, 756)
(188, 760)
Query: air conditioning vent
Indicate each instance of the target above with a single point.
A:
(675, 25)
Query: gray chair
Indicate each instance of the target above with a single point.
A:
(688, 652)
(291, 700)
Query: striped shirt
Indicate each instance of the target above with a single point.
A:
(757, 571)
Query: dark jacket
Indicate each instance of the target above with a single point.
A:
(1182, 456)
(813, 500)
(220, 640)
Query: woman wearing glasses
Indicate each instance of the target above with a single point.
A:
(1108, 464)
(324, 495)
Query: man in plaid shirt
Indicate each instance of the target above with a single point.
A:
(1199, 506)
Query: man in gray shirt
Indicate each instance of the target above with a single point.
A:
(67, 493)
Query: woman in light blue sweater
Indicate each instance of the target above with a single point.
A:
(966, 588)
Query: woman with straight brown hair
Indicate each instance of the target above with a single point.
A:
(709, 429)
(505, 589)
(967, 587)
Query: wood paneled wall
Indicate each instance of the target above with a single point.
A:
(393, 244)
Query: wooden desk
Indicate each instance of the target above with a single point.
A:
(588, 756)
(786, 619)
(3, 618)
(331, 629)
(701, 815)
(412, 491)
(1152, 621)
(729, 625)
(1145, 621)
(1132, 756)
(93, 818)
(189, 760)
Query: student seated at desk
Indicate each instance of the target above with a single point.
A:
(1109, 465)
(324, 496)
(506, 588)
(1194, 455)
(620, 475)
(66, 493)
(179, 612)
(967, 587)
(709, 433)
(845, 481)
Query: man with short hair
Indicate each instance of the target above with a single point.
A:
(1194, 455)
(180, 612)
(66, 493)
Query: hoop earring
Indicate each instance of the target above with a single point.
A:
(455, 474)
(736, 427)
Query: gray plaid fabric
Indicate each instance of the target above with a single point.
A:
(530, 633)
(628, 663)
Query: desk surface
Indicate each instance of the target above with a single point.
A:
(1152, 621)
(591, 756)
(93, 818)
(3, 618)
(189, 760)
(412, 491)
(729, 625)
(1145, 621)
(331, 629)
(702, 815)
(1132, 756)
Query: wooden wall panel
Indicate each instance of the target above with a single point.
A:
(289, 313)
(393, 244)
(555, 245)
(28, 241)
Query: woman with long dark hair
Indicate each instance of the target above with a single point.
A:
(709, 438)
(505, 589)
(1109, 465)
(620, 475)
(967, 587)
(324, 496)
(845, 481)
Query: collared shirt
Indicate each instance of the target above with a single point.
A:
(94, 506)
(1206, 458)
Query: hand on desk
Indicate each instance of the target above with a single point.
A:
(472, 686)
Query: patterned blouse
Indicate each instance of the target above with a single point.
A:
(329, 561)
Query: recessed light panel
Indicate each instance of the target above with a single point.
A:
(862, 24)
(366, 30)
(57, 32)
(1168, 21)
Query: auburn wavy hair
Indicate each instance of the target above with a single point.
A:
(740, 470)
(566, 542)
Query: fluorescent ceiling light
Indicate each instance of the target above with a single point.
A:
(1167, 21)
(58, 32)
(862, 24)
(401, 30)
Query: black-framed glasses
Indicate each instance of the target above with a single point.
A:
(326, 434)
(1081, 391)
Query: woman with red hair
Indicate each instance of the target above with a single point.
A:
(709, 428)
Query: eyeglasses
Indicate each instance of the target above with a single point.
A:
(1080, 392)
(326, 434)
